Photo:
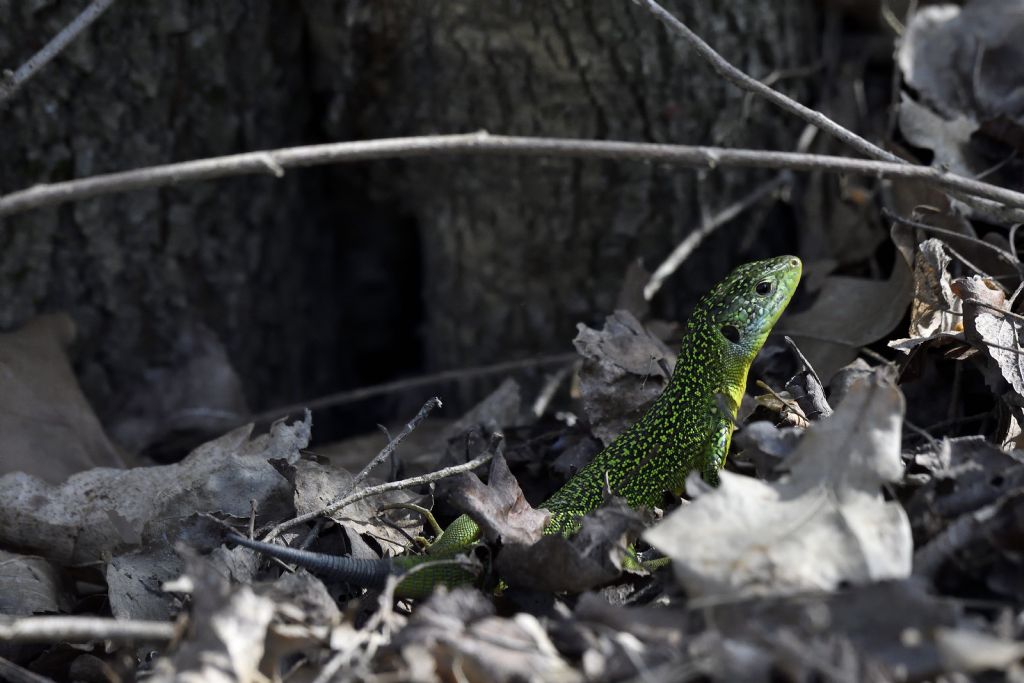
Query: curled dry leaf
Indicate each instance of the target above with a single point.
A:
(988, 326)
(459, 633)
(104, 512)
(621, 369)
(49, 429)
(936, 317)
(963, 63)
(590, 558)
(755, 537)
(935, 308)
(499, 507)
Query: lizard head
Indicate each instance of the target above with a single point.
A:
(746, 305)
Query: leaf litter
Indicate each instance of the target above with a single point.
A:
(878, 537)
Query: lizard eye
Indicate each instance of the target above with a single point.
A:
(764, 287)
(731, 332)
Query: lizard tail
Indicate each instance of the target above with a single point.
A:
(361, 572)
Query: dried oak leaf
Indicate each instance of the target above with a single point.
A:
(622, 364)
(824, 524)
(499, 507)
(592, 557)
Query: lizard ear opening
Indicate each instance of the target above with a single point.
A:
(731, 332)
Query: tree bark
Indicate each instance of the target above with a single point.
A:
(517, 251)
(333, 277)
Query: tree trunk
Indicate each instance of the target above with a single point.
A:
(518, 250)
(334, 277)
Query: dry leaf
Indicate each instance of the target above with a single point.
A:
(499, 507)
(30, 585)
(622, 372)
(590, 558)
(49, 429)
(104, 512)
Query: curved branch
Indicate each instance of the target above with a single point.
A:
(484, 144)
(10, 83)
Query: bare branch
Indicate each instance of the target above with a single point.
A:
(10, 83)
(482, 143)
(386, 452)
(353, 395)
(698, 235)
(738, 78)
(987, 209)
(83, 630)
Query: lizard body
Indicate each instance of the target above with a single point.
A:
(684, 430)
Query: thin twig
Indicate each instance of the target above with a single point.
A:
(815, 118)
(746, 82)
(977, 269)
(362, 393)
(427, 515)
(698, 235)
(381, 488)
(956, 536)
(1007, 256)
(384, 454)
(482, 143)
(11, 83)
(996, 309)
(548, 391)
(84, 629)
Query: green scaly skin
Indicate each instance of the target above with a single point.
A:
(683, 431)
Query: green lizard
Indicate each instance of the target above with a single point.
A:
(684, 430)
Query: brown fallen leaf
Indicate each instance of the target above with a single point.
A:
(590, 558)
(49, 429)
(499, 507)
(317, 485)
(625, 368)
